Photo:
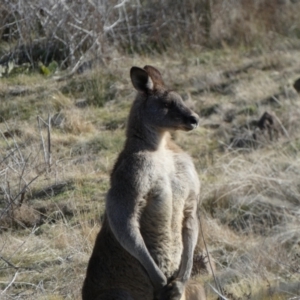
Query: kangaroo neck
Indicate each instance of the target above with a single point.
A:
(141, 133)
(145, 137)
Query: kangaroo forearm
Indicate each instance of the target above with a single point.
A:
(136, 247)
(189, 237)
(130, 238)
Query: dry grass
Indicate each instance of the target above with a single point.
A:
(250, 196)
(41, 31)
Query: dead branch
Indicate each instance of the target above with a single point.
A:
(10, 284)
(7, 156)
(22, 172)
(9, 263)
(49, 143)
(47, 155)
(18, 195)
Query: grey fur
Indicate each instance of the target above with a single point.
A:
(145, 247)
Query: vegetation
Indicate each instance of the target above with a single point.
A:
(62, 119)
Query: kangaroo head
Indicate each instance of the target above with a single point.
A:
(160, 108)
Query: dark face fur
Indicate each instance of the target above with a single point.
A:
(166, 111)
(161, 108)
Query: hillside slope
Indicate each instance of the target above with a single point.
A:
(51, 205)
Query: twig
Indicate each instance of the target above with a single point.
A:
(217, 292)
(23, 170)
(5, 138)
(20, 193)
(42, 139)
(11, 205)
(10, 284)
(77, 65)
(121, 4)
(282, 127)
(128, 26)
(17, 147)
(69, 10)
(111, 27)
(49, 143)
(7, 156)
(9, 263)
(21, 36)
(208, 257)
(89, 32)
(73, 50)
(12, 135)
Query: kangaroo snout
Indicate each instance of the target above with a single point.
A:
(194, 121)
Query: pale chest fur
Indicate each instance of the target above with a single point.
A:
(172, 184)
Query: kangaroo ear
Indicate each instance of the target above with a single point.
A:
(155, 76)
(140, 79)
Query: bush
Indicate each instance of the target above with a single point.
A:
(66, 31)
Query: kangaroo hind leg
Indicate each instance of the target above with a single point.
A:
(194, 291)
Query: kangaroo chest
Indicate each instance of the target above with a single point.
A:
(161, 220)
(170, 186)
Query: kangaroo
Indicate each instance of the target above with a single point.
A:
(145, 247)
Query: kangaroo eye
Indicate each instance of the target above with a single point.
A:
(167, 104)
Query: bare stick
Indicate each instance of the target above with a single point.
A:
(12, 135)
(49, 143)
(282, 127)
(214, 276)
(7, 156)
(9, 263)
(23, 170)
(42, 139)
(11, 205)
(89, 32)
(218, 293)
(121, 4)
(77, 65)
(10, 284)
(21, 36)
(19, 194)
(128, 26)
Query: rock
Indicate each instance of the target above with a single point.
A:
(245, 140)
(53, 190)
(208, 111)
(18, 90)
(229, 115)
(81, 103)
(57, 120)
(268, 123)
(11, 133)
(297, 85)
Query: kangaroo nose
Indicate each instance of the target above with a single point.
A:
(194, 120)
